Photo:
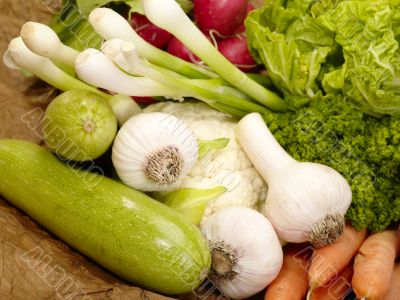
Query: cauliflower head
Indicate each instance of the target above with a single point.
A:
(228, 167)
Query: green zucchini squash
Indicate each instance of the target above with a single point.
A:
(127, 232)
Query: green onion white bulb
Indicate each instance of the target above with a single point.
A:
(95, 68)
(42, 40)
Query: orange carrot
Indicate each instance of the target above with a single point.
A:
(329, 261)
(394, 288)
(337, 288)
(373, 265)
(292, 282)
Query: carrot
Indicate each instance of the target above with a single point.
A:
(394, 288)
(373, 265)
(336, 289)
(329, 261)
(292, 282)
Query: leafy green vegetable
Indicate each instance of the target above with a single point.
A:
(207, 146)
(191, 203)
(320, 47)
(366, 150)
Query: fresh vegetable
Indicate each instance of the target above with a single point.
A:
(394, 287)
(236, 51)
(228, 167)
(149, 32)
(43, 41)
(124, 108)
(177, 48)
(72, 26)
(373, 265)
(191, 203)
(214, 93)
(18, 56)
(242, 28)
(291, 282)
(330, 47)
(179, 24)
(221, 16)
(305, 201)
(127, 232)
(144, 100)
(329, 261)
(95, 68)
(364, 149)
(111, 25)
(336, 289)
(246, 253)
(154, 151)
(79, 125)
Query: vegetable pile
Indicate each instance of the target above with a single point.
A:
(188, 198)
(333, 61)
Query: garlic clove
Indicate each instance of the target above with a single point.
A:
(246, 252)
(154, 151)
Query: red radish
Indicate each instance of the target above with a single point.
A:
(242, 28)
(148, 31)
(236, 51)
(223, 16)
(177, 48)
(144, 100)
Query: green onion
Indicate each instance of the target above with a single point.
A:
(111, 25)
(168, 15)
(43, 41)
(19, 56)
(125, 56)
(95, 68)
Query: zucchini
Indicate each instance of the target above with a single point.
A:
(127, 232)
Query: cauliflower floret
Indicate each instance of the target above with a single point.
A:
(228, 167)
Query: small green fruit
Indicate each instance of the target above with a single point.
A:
(79, 125)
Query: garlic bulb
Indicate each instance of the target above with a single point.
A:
(305, 201)
(246, 253)
(154, 151)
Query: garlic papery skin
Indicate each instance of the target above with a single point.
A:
(305, 201)
(154, 151)
(246, 252)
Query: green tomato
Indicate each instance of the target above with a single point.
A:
(79, 125)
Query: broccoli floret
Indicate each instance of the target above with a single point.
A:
(364, 149)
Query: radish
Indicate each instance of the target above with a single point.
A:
(223, 16)
(144, 100)
(177, 48)
(148, 31)
(242, 28)
(236, 51)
